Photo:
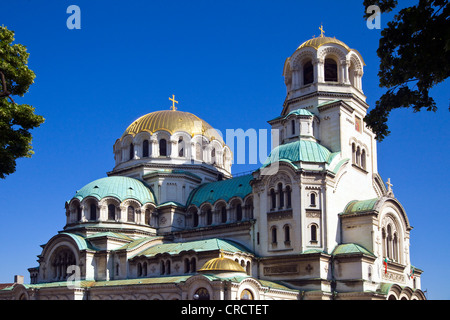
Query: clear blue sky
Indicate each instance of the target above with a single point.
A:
(223, 60)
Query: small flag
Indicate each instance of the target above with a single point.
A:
(385, 265)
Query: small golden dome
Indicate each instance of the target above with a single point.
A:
(316, 43)
(172, 121)
(222, 264)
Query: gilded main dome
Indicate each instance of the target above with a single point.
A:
(173, 121)
(316, 43)
(222, 264)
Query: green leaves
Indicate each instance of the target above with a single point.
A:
(15, 120)
(414, 57)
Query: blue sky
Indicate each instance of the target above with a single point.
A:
(223, 60)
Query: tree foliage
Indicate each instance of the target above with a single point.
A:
(414, 51)
(16, 120)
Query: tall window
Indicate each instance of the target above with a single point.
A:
(163, 147)
(93, 212)
(313, 233)
(180, 147)
(209, 217)
(331, 74)
(145, 149)
(111, 212)
(313, 200)
(213, 155)
(293, 126)
(198, 152)
(130, 214)
(273, 199)
(195, 219)
(280, 195)
(239, 212)
(131, 151)
(308, 73)
(287, 234)
(363, 159)
(289, 197)
(78, 213)
(223, 212)
(274, 235)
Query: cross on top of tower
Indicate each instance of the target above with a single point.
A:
(322, 32)
(173, 108)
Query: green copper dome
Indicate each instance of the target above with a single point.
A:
(300, 150)
(119, 187)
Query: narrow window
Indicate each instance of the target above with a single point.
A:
(198, 152)
(163, 147)
(313, 233)
(186, 265)
(238, 212)
(213, 156)
(353, 153)
(289, 196)
(180, 147)
(274, 235)
(281, 195)
(139, 269)
(93, 212)
(224, 214)
(287, 234)
(168, 267)
(144, 269)
(313, 199)
(209, 217)
(293, 126)
(363, 159)
(79, 213)
(130, 214)
(330, 70)
(111, 212)
(162, 268)
(145, 149)
(308, 73)
(273, 199)
(358, 156)
(131, 151)
(193, 265)
(195, 219)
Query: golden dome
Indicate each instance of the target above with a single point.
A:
(316, 43)
(222, 264)
(172, 121)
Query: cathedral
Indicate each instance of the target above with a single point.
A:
(170, 222)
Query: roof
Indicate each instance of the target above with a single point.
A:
(225, 189)
(316, 43)
(119, 187)
(297, 112)
(300, 150)
(221, 264)
(197, 246)
(355, 206)
(172, 121)
(351, 248)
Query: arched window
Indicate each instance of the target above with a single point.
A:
(312, 199)
(144, 269)
(93, 212)
(195, 219)
(180, 147)
(168, 267)
(130, 214)
(353, 153)
(246, 295)
(187, 265)
(201, 294)
(198, 152)
(293, 126)
(363, 159)
(78, 213)
(331, 74)
(145, 149)
(239, 212)
(308, 73)
(313, 233)
(193, 265)
(111, 212)
(280, 195)
(213, 155)
(288, 197)
(274, 235)
(395, 247)
(163, 147)
(388, 241)
(358, 156)
(147, 217)
(223, 213)
(209, 217)
(162, 266)
(384, 242)
(287, 235)
(62, 258)
(273, 199)
(131, 151)
(139, 269)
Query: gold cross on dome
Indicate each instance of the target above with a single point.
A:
(322, 32)
(173, 108)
